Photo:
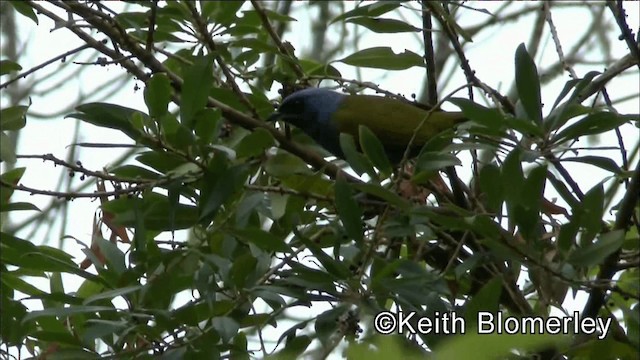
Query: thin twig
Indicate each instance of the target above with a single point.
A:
(276, 39)
(556, 40)
(627, 34)
(75, 195)
(44, 64)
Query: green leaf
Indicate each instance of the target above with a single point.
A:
(525, 126)
(579, 84)
(111, 116)
(335, 268)
(528, 208)
(157, 94)
(599, 161)
(376, 9)
(133, 20)
(67, 311)
(13, 177)
(382, 25)
(477, 113)
(229, 97)
(14, 282)
(113, 255)
(384, 194)
(154, 209)
(491, 186)
(272, 15)
(528, 84)
(18, 206)
(24, 9)
(221, 182)
(255, 143)
(595, 123)
(430, 161)
(564, 113)
(486, 299)
(7, 66)
(590, 212)
(295, 347)
(6, 149)
(311, 67)
(348, 210)
(384, 58)
(221, 12)
(596, 252)
(327, 322)
(262, 239)
(372, 147)
(207, 125)
(533, 188)
(562, 189)
(134, 172)
(284, 164)
(111, 294)
(512, 176)
(198, 79)
(243, 266)
(567, 236)
(254, 44)
(359, 163)
(163, 162)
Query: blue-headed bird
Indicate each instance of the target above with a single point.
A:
(323, 114)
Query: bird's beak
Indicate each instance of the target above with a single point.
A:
(273, 117)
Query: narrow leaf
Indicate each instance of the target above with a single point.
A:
(595, 253)
(157, 94)
(528, 84)
(384, 58)
(348, 210)
(372, 147)
(198, 80)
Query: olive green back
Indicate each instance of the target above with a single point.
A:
(393, 121)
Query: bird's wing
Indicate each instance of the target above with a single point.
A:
(392, 121)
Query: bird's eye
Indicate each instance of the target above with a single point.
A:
(297, 105)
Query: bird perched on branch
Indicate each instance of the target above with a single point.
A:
(323, 114)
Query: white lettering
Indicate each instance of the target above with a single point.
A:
(485, 318)
(554, 326)
(511, 329)
(604, 327)
(404, 322)
(425, 326)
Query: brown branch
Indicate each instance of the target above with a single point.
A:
(464, 62)
(276, 39)
(609, 267)
(612, 71)
(556, 40)
(152, 24)
(77, 167)
(627, 34)
(75, 195)
(429, 58)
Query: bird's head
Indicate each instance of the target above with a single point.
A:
(309, 109)
(312, 111)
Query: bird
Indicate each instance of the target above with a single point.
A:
(323, 114)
